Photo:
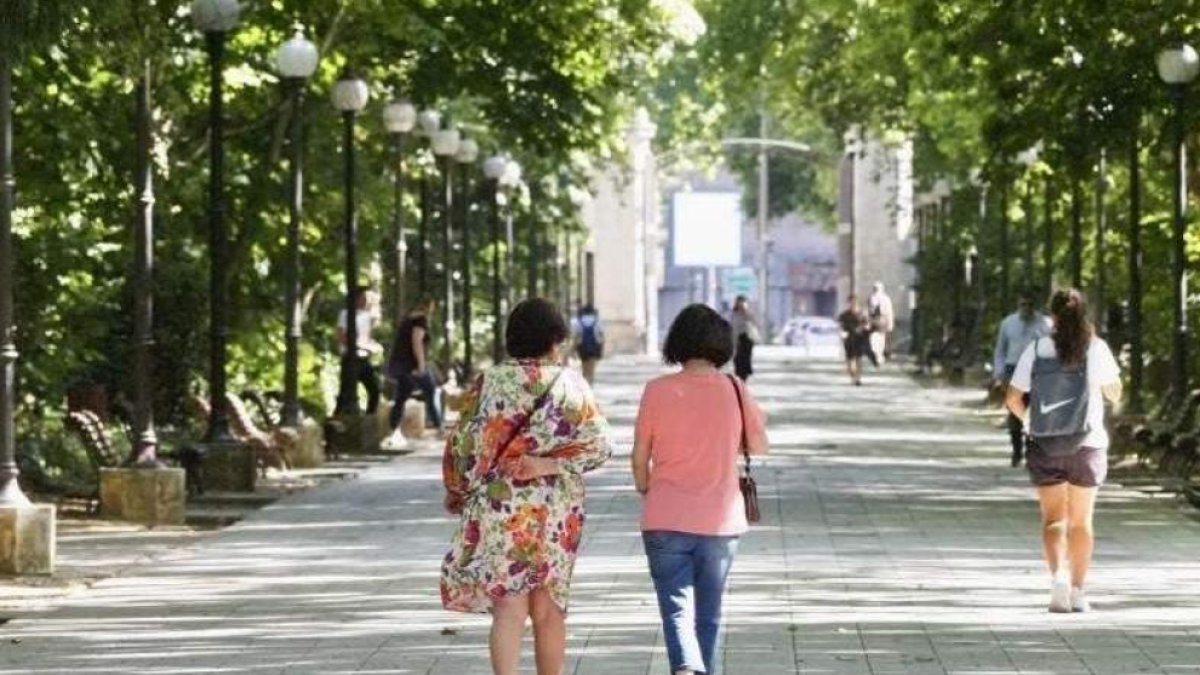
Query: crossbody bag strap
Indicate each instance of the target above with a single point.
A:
(525, 421)
(745, 445)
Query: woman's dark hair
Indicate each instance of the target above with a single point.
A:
(699, 333)
(534, 327)
(1072, 330)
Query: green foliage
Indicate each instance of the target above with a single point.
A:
(548, 82)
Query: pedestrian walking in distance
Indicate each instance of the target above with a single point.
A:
(685, 453)
(1017, 331)
(746, 335)
(513, 470)
(589, 340)
(410, 368)
(883, 322)
(1067, 376)
(856, 327)
(365, 347)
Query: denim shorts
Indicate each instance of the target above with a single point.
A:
(1087, 467)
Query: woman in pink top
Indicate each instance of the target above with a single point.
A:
(685, 456)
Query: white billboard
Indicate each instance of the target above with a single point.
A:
(707, 229)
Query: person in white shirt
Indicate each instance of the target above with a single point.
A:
(1068, 469)
(883, 322)
(367, 347)
(1017, 331)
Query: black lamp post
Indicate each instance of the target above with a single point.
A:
(468, 153)
(145, 440)
(429, 122)
(1136, 353)
(1178, 66)
(445, 145)
(350, 96)
(296, 61)
(493, 169)
(10, 490)
(1101, 311)
(215, 18)
(512, 180)
(1028, 159)
(399, 118)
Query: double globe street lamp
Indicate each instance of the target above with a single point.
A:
(350, 95)
(1178, 66)
(296, 61)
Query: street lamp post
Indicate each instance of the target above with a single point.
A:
(1101, 311)
(145, 446)
(429, 121)
(10, 490)
(296, 61)
(215, 18)
(445, 145)
(399, 118)
(639, 136)
(350, 96)
(512, 179)
(493, 169)
(468, 152)
(1178, 66)
(1136, 345)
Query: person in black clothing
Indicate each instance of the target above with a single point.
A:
(408, 364)
(856, 329)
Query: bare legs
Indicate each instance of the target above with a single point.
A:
(854, 369)
(1067, 533)
(549, 633)
(508, 627)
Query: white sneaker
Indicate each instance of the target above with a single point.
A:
(1060, 597)
(1079, 601)
(395, 441)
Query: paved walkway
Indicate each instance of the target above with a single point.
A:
(895, 540)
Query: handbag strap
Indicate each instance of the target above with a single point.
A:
(745, 445)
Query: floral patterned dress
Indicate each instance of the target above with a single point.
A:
(516, 536)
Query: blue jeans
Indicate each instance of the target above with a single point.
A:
(689, 572)
(406, 384)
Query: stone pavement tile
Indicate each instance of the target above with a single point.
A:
(902, 545)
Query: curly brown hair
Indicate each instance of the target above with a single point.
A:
(1072, 331)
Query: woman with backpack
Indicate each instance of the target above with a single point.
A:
(1067, 376)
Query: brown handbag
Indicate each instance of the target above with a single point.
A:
(746, 481)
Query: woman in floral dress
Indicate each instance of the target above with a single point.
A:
(513, 469)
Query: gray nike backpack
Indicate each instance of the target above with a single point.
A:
(1058, 405)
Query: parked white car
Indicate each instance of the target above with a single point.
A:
(810, 331)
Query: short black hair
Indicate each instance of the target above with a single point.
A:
(699, 333)
(534, 327)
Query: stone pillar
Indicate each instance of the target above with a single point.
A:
(229, 466)
(149, 496)
(27, 539)
(305, 445)
(360, 434)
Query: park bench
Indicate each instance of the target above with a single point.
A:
(1151, 441)
(268, 445)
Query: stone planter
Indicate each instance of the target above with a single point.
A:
(27, 539)
(149, 496)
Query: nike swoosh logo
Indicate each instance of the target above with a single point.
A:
(1047, 409)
